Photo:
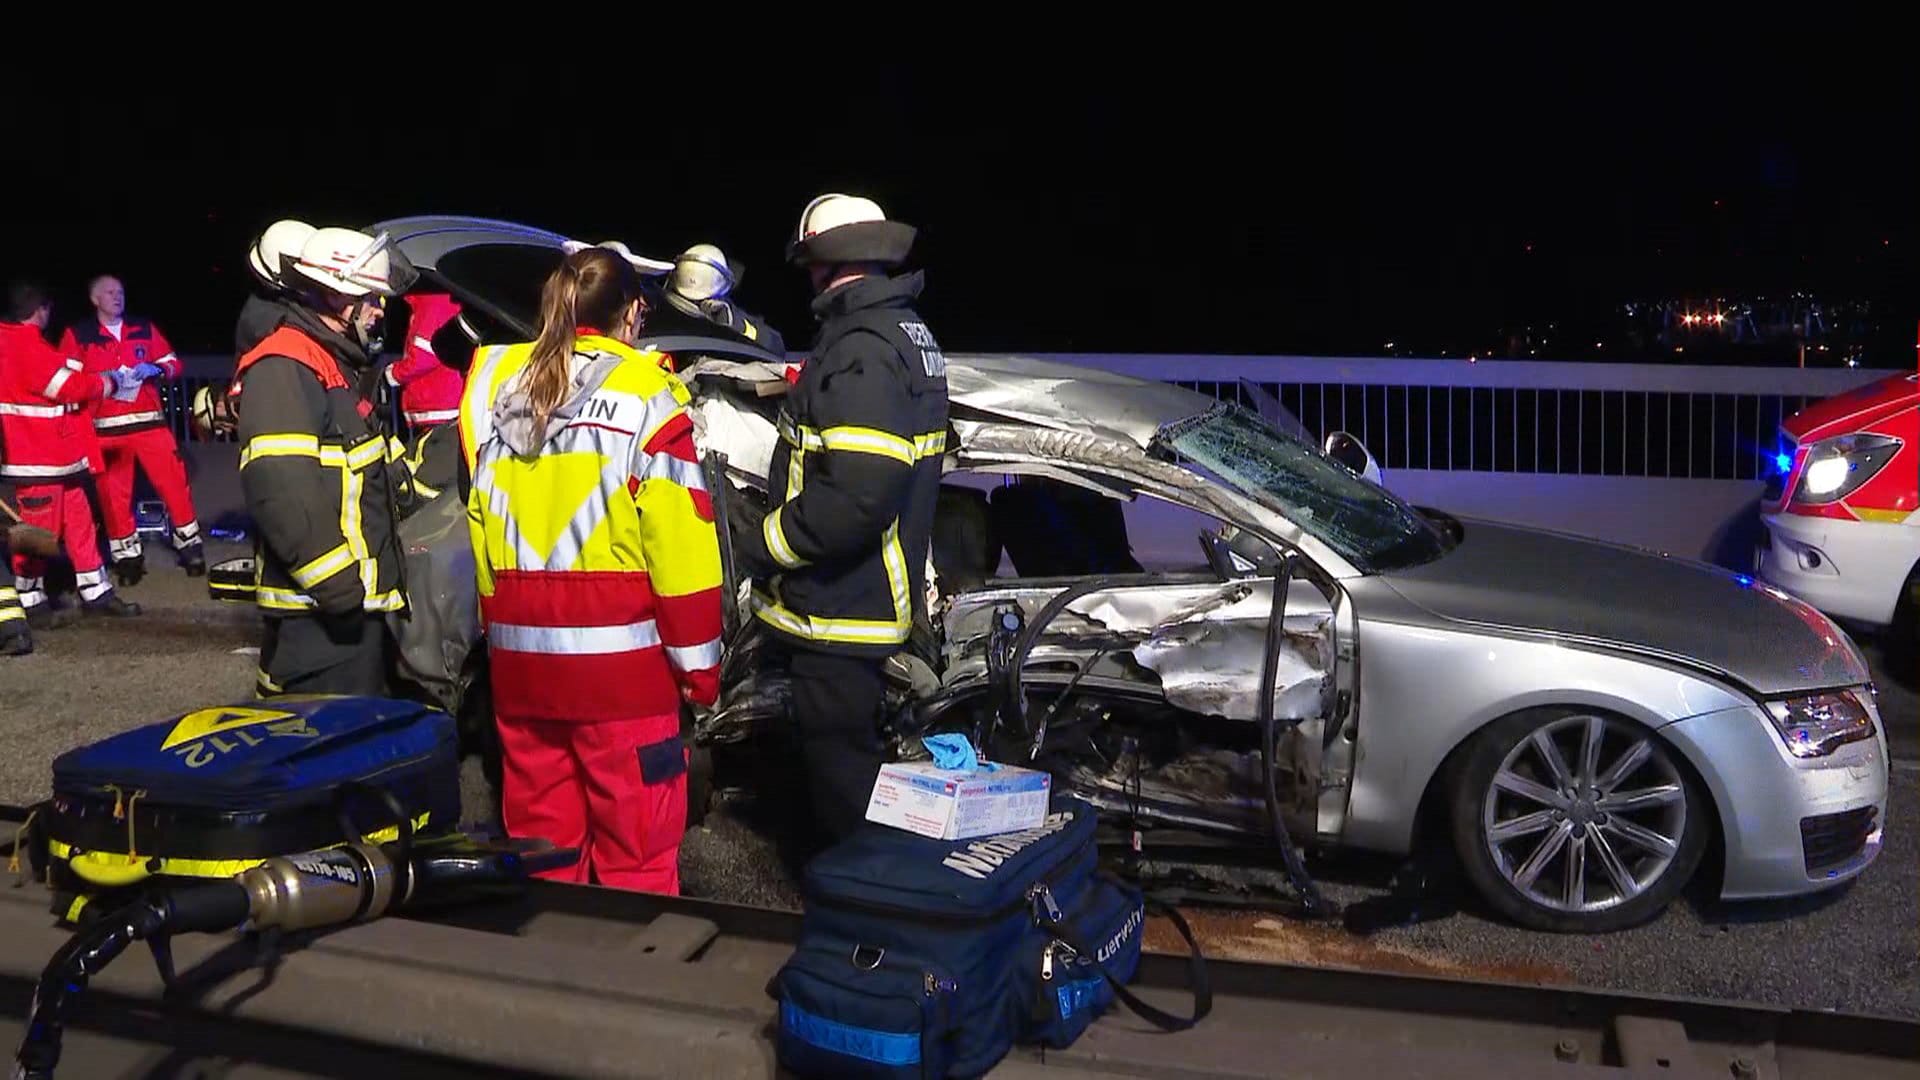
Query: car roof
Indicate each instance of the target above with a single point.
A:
(1045, 393)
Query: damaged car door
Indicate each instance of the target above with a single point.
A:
(1143, 691)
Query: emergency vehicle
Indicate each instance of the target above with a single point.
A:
(1840, 512)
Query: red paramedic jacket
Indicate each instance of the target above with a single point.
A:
(429, 390)
(43, 435)
(140, 342)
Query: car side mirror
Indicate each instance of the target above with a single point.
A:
(1351, 452)
(1245, 556)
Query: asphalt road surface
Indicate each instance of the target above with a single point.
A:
(1856, 949)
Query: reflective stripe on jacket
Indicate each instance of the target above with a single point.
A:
(598, 567)
(840, 561)
(140, 342)
(321, 481)
(43, 435)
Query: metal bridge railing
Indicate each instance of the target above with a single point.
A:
(1682, 434)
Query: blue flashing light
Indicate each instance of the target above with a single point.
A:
(1745, 580)
(1783, 462)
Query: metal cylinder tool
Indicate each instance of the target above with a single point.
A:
(330, 887)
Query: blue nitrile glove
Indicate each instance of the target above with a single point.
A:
(148, 371)
(951, 751)
(126, 384)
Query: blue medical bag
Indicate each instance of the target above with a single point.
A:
(218, 790)
(921, 957)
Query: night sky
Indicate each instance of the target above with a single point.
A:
(1314, 196)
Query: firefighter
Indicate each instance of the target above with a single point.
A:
(134, 432)
(321, 476)
(429, 395)
(841, 560)
(599, 576)
(44, 448)
(701, 281)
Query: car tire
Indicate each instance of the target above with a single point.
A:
(1523, 842)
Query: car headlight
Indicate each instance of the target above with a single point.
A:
(1837, 467)
(1819, 724)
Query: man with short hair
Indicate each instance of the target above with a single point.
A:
(134, 432)
(44, 450)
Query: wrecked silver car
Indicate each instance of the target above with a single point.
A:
(1195, 617)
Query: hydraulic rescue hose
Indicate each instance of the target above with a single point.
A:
(1017, 662)
(1312, 901)
(352, 883)
(209, 907)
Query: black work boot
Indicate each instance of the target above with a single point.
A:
(111, 605)
(193, 559)
(19, 643)
(128, 571)
(50, 616)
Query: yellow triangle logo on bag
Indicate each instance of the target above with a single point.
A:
(199, 725)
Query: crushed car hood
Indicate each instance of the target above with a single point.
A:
(1513, 578)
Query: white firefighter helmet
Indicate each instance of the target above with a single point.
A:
(212, 411)
(647, 267)
(702, 272)
(348, 262)
(837, 228)
(282, 240)
(203, 411)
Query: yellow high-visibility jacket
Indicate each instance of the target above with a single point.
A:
(593, 539)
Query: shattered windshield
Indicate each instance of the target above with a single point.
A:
(1365, 524)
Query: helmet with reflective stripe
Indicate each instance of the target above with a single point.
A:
(702, 272)
(349, 262)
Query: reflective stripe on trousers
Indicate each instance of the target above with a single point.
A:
(573, 640)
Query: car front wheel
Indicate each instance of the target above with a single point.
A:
(1576, 822)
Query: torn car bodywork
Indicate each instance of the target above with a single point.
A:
(1407, 634)
(1150, 687)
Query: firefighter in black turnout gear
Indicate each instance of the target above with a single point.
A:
(323, 480)
(841, 559)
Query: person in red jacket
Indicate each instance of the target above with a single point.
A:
(429, 395)
(134, 432)
(44, 448)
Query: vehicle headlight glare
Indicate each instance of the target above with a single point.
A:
(1825, 476)
(1818, 724)
(1839, 466)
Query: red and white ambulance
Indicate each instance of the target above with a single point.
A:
(1844, 525)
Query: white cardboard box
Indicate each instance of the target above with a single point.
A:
(958, 804)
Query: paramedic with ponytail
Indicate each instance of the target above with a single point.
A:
(599, 575)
